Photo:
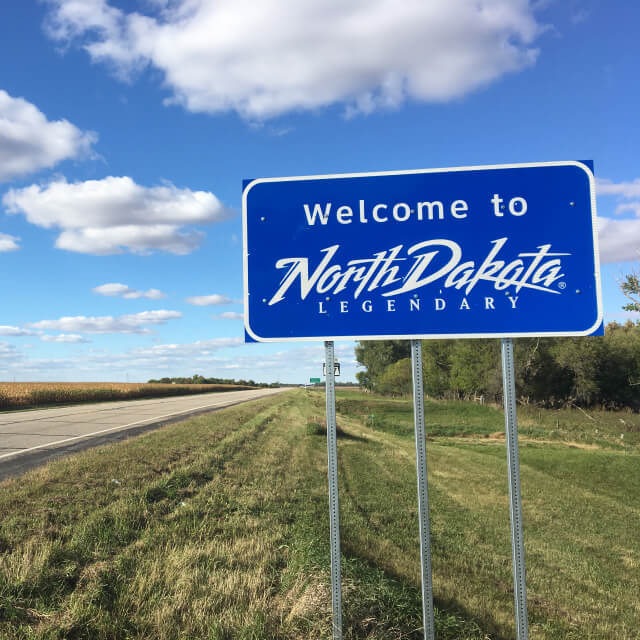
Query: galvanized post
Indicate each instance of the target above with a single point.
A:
(334, 509)
(423, 493)
(515, 504)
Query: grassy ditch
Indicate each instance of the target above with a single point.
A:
(611, 429)
(217, 528)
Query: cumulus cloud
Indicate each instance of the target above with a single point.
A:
(134, 238)
(211, 300)
(7, 242)
(115, 214)
(123, 290)
(264, 59)
(6, 330)
(619, 240)
(29, 142)
(70, 338)
(634, 207)
(230, 315)
(606, 187)
(131, 323)
(628, 194)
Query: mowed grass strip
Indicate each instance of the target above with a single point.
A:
(613, 429)
(213, 528)
(29, 395)
(218, 528)
(581, 513)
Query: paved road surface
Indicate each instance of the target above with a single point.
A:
(30, 438)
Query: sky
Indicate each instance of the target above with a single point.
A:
(126, 129)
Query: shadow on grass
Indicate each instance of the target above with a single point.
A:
(384, 593)
(319, 428)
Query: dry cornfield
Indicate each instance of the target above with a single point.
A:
(22, 395)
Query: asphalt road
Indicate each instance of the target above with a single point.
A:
(31, 438)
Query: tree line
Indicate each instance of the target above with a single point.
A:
(552, 372)
(198, 379)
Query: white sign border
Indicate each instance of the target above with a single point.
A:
(429, 336)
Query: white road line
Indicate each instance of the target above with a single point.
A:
(122, 426)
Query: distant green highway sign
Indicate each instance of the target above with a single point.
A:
(314, 379)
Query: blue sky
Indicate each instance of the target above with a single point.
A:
(126, 129)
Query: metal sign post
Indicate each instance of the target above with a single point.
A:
(334, 507)
(423, 493)
(515, 504)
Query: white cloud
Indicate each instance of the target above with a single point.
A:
(115, 214)
(606, 187)
(230, 315)
(267, 58)
(188, 350)
(7, 242)
(207, 357)
(634, 207)
(619, 240)
(6, 330)
(628, 194)
(132, 323)
(213, 299)
(29, 142)
(138, 239)
(71, 338)
(306, 360)
(117, 289)
(8, 352)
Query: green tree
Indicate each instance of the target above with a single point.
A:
(631, 288)
(583, 371)
(397, 378)
(620, 366)
(475, 368)
(377, 355)
(436, 367)
(582, 358)
(364, 380)
(539, 376)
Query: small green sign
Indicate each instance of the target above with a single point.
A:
(314, 379)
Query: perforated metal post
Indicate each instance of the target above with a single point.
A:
(423, 492)
(515, 505)
(334, 508)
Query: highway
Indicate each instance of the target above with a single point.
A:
(30, 438)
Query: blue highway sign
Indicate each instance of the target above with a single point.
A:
(492, 251)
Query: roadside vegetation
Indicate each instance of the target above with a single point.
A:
(595, 371)
(217, 528)
(29, 395)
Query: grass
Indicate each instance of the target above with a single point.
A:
(30, 395)
(611, 429)
(217, 528)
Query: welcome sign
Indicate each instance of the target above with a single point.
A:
(492, 251)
